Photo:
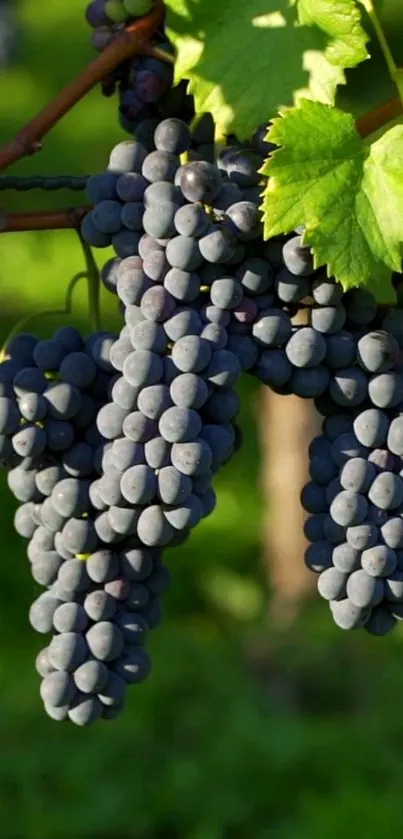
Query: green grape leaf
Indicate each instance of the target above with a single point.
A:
(349, 195)
(245, 60)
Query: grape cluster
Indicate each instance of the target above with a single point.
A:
(141, 82)
(355, 497)
(100, 599)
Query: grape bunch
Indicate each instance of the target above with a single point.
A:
(355, 497)
(142, 81)
(101, 599)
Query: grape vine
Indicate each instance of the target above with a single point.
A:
(111, 442)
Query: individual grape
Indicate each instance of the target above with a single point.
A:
(326, 291)
(182, 285)
(136, 564)
(91, 233)
(78, 461)
(341, 349)
(153, 528)
(313, 498)
(9, 416)
(149, 335)
(318, 557)
(183, 252)
(386, 390)
(42, 612)
(67, 651)
(349, 387)
(124, 395)
(99, 606)
(113, 693)
(132, 282)
(395, 436)
(357, 475)
(184, 322)
(50, 518)
(157, 304)
(306, 348)
(298, 258)
(200, 182)
(386, 491)
(348, 616)
(24, 522)
(78, 369)
(346, 558)
(27, 380)
(392, 533)
(222, 406)
(138, 484)
(70, 497)
(161, 192)
(322, 469)
(125, 243)
(332, 584)
(141, 368)
(45, 566)
(393, 586)
(130, 187)
(379, 561)
(70, 617)
(123, 520)
(194, 458)
(91, 677)
(179, 425)
(337, 425)
(360, 305)
(380, 622)
(362, 536)
(189, 391)
(192, 220)
(102, 566)
(157, 452)
(226, 293)
(126, 453)
(377, 351)
(218, 245)
(347, 447)
(21, 348)
(63, 400)
(42, 663)
(127, 156)
(363, 590)
(57, 689)
(328, 319)
(105, 641)
(22, 485)
(159, 166)
(273, 328)
(133, 628)
(173, 486)
(134, 665)
(291, 289)
(79, 536)
(191, 354)
(85, 709)
(245, 220)
(30, 441)
(187, 515)
(156, 266)
(348, 508)
(73, 575)
(158, 220)
(309, 383)
(106, 217)
(132, 214)
(139, 428)
(109, 487)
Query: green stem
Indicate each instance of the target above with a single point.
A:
(44, 313)
(93, 285)
(395, 74)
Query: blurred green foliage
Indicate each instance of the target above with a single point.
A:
(239, 733)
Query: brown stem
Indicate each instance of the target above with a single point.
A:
(43, 220)
(376, 119)
(122, 47)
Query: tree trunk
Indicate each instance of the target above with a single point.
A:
(287, 426)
